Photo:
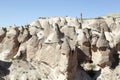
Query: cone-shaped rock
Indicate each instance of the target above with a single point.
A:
(65, 47)
(23, 36)
(10, 44)
(84, 43)
(83, 40)
(102, 42)
(87, 32)
(103, 54)
(55, 36)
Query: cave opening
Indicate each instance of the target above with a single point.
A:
(93, 74)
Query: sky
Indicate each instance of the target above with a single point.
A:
(21, 12)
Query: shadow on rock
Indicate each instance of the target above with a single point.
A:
(115, 59)
(4, 69)
(93, 74)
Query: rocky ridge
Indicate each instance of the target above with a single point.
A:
(61, 48)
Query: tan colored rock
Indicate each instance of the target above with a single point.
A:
(47, 28)
(99, 24)
(40, 35)
(102, 42)
(36, 23)
(93, 43)
(10, 44)
(61, 48)
(24, 35)
(55, 36)
(63, 21)
(32, 47)
(22, 51)
(2, 33)
(34, 30)
(102, 55)
(84, 43)
(87, 32)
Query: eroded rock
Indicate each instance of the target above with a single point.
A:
(62, 48)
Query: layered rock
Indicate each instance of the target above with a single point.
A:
(61, 48)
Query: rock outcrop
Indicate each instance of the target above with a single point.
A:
(61, 48)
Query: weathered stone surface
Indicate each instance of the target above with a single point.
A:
(61, 48)
(10, 44)
(2, 33)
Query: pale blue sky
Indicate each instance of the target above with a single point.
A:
(21, 12)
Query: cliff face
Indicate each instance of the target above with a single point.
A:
(61, 48)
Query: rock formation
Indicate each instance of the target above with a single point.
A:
(62, 48)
